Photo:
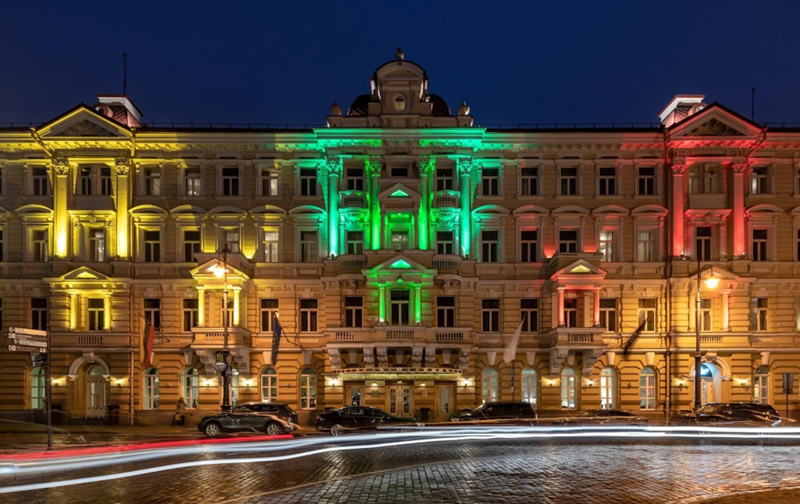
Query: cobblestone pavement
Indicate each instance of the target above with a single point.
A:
(497, 471)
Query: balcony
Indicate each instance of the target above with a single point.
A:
(446, 199)
(352, 199)
(403, 335)
(92, 340)
(352, 262)
(214, 337)
(446, 263)
(574, 338)
(707, 201)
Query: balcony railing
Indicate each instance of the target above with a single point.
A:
(449, 336)
(352, 262)
(574, 337)
(446, 199)
(214, 337)
(352, 199)
(348, 336)
(446, 263)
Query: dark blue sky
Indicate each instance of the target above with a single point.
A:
(514, 62)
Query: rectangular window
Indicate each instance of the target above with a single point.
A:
(354, 242)
(529, 309)
(152, 246)
(704, 179)
(271, 242)
(190, 311)
(608, 314)
(445, 311)
(760, 245)
(490, 246)
(703, 242)
(152, 182)
(568, 181)
(529, 245)
(226, 315)
(231, 239)
(646, 181)
(309, 248)
(269, 311)
(607, 245)
(269, 182)
(191, 244)
(86, 180)
(40, 247)
(399, 171)
(444, 179)
(646, 246)
(759, 180)
(230, 181)
(355, 178)
(529, 181)
(490, 315)
(607, 181)
(400, 306)
(308, 182)
(647, 314)
(96, 314)
(192, 181)
(399, 239)
(490, 183)
(758, 314)
(705, 314)
(568, 241)
(41, 186)
(97, 245)
(105, 181)
(353, 311)
(152, 312)
(444, 242)
(39, 314)
(308, 315)
(571, 312)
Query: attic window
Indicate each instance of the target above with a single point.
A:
(399, 103)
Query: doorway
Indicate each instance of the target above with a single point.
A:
(444, 401)
(353, 394)
(95, 403)
(400, 401)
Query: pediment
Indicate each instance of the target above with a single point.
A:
(208, 271)
(579, 268)
(83, 122)
(399, 192)
(715, 121)
(398, 265)
(83, 273)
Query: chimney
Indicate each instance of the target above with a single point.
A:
(681, 107)
(119, 108)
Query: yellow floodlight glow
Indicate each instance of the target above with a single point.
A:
(711, 282)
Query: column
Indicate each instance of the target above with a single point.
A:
(334, 173)
(236, 292)
(61, 231)
(74, 309)
(373, 168)
(418, 304)
(426, 166)
(677, 209)
(123, 181)
(561, 321)
(465, 187)
(596, 313)
(737, 214)
(726, 323)
(201, 307)
(382, 303)
(107, 311)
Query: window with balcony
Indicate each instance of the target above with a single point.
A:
(647, 314)
(759, 180)
(490, 246)
(608, 388)
(308, 315)
(399, 307)
(192, 181)
(760, 241)
(190, 384)
(226, 316)
(490, 381)
(152, 312)
(607, 245)
(190, 314)
(646, 180)
(309, 246)
(569, 388)
(647, 389)
(705, 314)
(530, 386)
(490, 315)
(97, 244)
(152, 181)
(568, 181)
(85, 178)
(758, 314)
(105, 181)
(41, 184)
(571, 312)
(269, 384)
(39, 314)
(704, 179)
(646, 245)
(191, 244)
(152, 246)
(353, 311)
(40, 247)
(761, 385)
(308, 389)
(399, 170)
(96, 309)
(529, 245)
(271, 244)
(444, 179)
(445, 242)
(490, 182)
(150, 388)
(37, 388)
(230, 181)
(568, 241)
(354, 242)
(703, 242)
(608, 314)
(445, 311)
(230, 239)
(607, 181)
(269, 312)
(399, 239)
(529, 313)
(529, 181)
(308, 182)
(268, 182)
(355, 178)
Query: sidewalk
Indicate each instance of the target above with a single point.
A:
(788, 496)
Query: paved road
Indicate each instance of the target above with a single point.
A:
(493, 471)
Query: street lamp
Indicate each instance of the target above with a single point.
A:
(711, 282)
(224, 367)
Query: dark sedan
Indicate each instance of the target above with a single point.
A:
(271, 418)
(357, 417)
(500, 413)
(731, 415)
(603, 417)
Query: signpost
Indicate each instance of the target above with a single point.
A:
(21, 339)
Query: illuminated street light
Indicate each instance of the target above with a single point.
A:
(711, 282)
(224, 367)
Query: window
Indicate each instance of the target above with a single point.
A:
(569, 388)
(190, 380)
(529, 181)
(192, 181)
(797, 247)
(490, 391)
(191, 244)
(608, 314)
(608, 388)
(444, 179)
(269, 384)
(607, 246)
(309, 248)
(759, 180)
(230, 181)
(353, 311)
(490, 245)
(150, 388)
(568, 181)
(39, 314)
(40, 247)
(760, 244)
(647, 314)
(646, 246)
(354, 243)
(529, 309)
(704, 179)
(190, 313)
(152, 312)
(445, 311)
(399, 171)
(41, 185)
(1, 314)
(445, 244)
(758, 314)
(2, 245)
(530, 386)
(85, 180)
(568, 241)
(571, 312)
(761, 386)
(308, 182)
(646, 181)
(269, 182)
(230, 238)
(97, 244)
(105, 181)
(269, 312)
(152, 182)
(399, 239)
(490, 182)
(647, 389)
(703, 242)
(226, 315)
(37, 388)
(400, 306)
(271, 244)
(490, 315)
(607, 181)
(308, 315)
(355, 178)
(152, 246)
(705, 314)
(308, 389)
(96, 314)
(529, 245)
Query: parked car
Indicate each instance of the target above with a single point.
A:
(603, 417)
(357, 417)
(499, 412)
(731, 414)
(270, 418)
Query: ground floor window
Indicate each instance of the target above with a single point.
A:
(608, 388)
(647, 389)
(37, 388)
(761, 386)
(269, 384)
(151, 388)
(530, 386)
(308, 389)
(569, 389)
(491, 386)
(190, 379)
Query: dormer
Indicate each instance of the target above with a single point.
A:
(119, 108)
(681, 107)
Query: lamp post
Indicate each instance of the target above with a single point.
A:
(711, 282)
(224, 367)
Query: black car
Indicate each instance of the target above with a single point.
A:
(357, 417)
(270, 418)
(732, 414)
(499, 412)
(603, 417)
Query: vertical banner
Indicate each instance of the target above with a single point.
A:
(276, 339)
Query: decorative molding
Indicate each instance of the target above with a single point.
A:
(60, 166)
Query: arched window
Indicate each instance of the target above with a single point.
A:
(490, 385)
(569, 388)
(189, 379)
(761, 386)
(530, 386)
(151, 388)
(269, 384)
(647, 389)
(37, 388)
(308, 389)
(608, 388)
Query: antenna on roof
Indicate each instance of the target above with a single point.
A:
(753, 104)
(124, 73)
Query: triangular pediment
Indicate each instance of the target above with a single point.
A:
(83, 273)
(399, 265)
(399, 192)
(579, 268)
(82, 122)
(715, 121)
(216, 270)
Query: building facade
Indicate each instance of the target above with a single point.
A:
(401, 247)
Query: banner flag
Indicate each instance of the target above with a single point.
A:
(146, 343)
(276, 339)
(635, 335)
(511, 350)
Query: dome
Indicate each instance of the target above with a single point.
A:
(359, 107)
(440, 108)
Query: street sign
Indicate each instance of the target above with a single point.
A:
(19, 348)
(38, 359)
(28, 342)
(23, 331)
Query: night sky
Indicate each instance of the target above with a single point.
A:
(513, 62)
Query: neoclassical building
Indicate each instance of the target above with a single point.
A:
(400, 246)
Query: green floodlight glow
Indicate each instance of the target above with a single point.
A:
(400, 264)
(399, 194)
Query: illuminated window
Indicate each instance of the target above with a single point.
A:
(445, 242)
(567, 241)
(705, 314)
(191, 244)
(608, 388)
(530, 386)
(230, 181)
(569, 388)
(308, 315)
(529, 181)
(444, 179)
(152, 246)
(37, 395)
(39, 314)
(96, 309)
(150, 387)
(355, 178)
(529, 313)
(97, 244)
(399, 239)
(353, 311)
(646, 245)
(192, 180)
(400, 306)
(490, 390)
(40, 248)
(269, 182)
(607, 245)
(230, 238)
(445, 311)
(759, 180)
(568, 181)
(308, 389)
(269, 312)
(760, 240)
(761, 385)
(647, 389)
(647, 314)
(308, 182)
(608, 314)
(190, 379)
(607, 181)
(646, 181)
(758, 314)
(490, 246)
(41, 184)
(399, 103)
(490, 182)
(152, 181)
(703, 242)
(269, 384)
(490, 315)
(152, 312)
(354, 242)
(529, 245)
(271, 244)
(309, 246)
(190, 314)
